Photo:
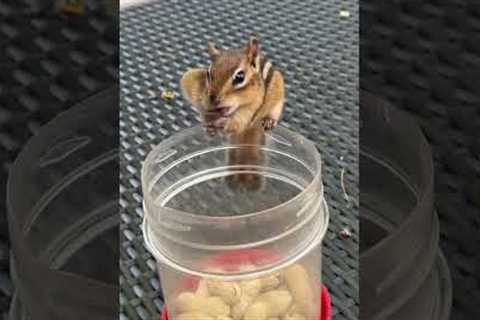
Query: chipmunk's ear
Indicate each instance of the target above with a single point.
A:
(213, 51)
(253, 49)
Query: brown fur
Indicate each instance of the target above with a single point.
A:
(258, 104)
(247, 154)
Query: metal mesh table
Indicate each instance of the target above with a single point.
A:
(48, 63)
(434, 76)
(315, 43)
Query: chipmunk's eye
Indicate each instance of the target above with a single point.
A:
(238, 78)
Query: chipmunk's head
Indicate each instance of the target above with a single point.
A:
(233, 79)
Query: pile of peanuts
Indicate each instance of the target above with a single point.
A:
(286, 295)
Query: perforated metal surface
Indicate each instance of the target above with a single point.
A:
(47, 64)
(424, 57)
(315, 43)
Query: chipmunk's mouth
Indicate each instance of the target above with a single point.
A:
(218, 111)
(223, 111)
(222, 114)
(229, 111)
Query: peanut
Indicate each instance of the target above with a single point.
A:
(269, 305)
(215, 306)
(193, 316)
(251, 288)
(284, 296)
(256, 311)
(293, 309)
(270, 283)
(278, 302)
(298, 282)
(230, 292)
(240, 307)
(202, 289)
(294, 316)
(188, 302)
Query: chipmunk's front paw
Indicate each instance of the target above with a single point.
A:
(210, 128)
(213, 122)
(268, 123)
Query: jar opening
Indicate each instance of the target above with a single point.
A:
(192, 174)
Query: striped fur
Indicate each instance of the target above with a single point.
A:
(266, 70)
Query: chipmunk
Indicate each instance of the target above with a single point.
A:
(241, 93)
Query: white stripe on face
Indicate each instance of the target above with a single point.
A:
(266, 68)
(257, 63)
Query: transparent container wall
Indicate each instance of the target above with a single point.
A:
(205, 195)
(236, 227)
(291, 293)
(210, 176)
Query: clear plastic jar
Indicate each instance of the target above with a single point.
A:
(238, 253)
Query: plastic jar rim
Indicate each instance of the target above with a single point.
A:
(304, 250)
(423, 195)
(171, 141)
(306, 193)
